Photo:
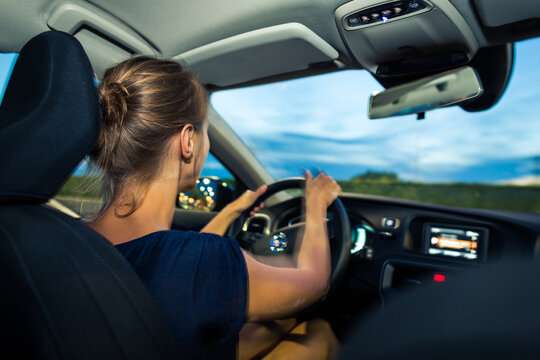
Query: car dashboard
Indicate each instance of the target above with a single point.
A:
(399, 245)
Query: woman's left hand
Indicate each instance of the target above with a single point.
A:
(220, 223)
(247, 199)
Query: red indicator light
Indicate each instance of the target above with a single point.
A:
(439, 277)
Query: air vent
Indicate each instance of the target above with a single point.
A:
(259, 224)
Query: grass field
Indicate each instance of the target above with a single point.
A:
(76, 186)
(504, 197)
(507, 197)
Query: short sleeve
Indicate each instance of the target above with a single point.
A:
(200, 282)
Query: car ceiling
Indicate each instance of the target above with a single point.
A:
(172, 28)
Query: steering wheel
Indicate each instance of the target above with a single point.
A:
(283, 241)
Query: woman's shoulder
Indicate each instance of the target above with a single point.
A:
(188, 237)
(171, 241)
(172, 235)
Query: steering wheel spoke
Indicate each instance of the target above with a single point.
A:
(283, 241)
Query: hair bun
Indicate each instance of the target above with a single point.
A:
(113, 99)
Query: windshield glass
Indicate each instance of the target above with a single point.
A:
(488, 159)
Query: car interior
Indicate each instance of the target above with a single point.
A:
(409, 278)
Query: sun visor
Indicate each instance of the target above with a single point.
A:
(258, 54)
(105, 39)
(499, 13)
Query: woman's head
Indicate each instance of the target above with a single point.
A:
(145, 103)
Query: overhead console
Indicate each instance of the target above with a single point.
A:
(396, 38)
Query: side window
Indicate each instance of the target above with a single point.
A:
(213, 190)
(79, 196)
(7, 62)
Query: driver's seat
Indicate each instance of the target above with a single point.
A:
(65, 292)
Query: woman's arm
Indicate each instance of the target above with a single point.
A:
(221, 222)
(275, 292)
(279, 292)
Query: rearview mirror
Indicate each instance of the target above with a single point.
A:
(432, 92)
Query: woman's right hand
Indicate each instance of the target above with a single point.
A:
(276, 293)
(322, 190)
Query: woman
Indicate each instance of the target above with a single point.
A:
(152, 145)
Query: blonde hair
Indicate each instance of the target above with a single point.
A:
(144, 103)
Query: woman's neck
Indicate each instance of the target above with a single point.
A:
(155, 212)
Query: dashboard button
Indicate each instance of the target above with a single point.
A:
(366, 253)
(353, 21)
(389, 223)
(386, 235)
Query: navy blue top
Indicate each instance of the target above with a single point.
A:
(200, 282)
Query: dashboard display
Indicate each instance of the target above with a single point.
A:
(361, 235)
(456, 241)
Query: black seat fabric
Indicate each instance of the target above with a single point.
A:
(65, 292)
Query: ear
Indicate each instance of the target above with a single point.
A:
(186, 142)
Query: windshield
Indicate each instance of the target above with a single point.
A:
(488, 159)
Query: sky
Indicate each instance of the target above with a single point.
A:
(321, 122)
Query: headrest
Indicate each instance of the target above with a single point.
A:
(49, 118)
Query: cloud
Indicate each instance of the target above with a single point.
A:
(523, 181)
(323, 121)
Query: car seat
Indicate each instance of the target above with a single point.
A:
(65, 292)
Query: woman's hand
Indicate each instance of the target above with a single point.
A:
(321, 191)
(220, 223)
(246, 200)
